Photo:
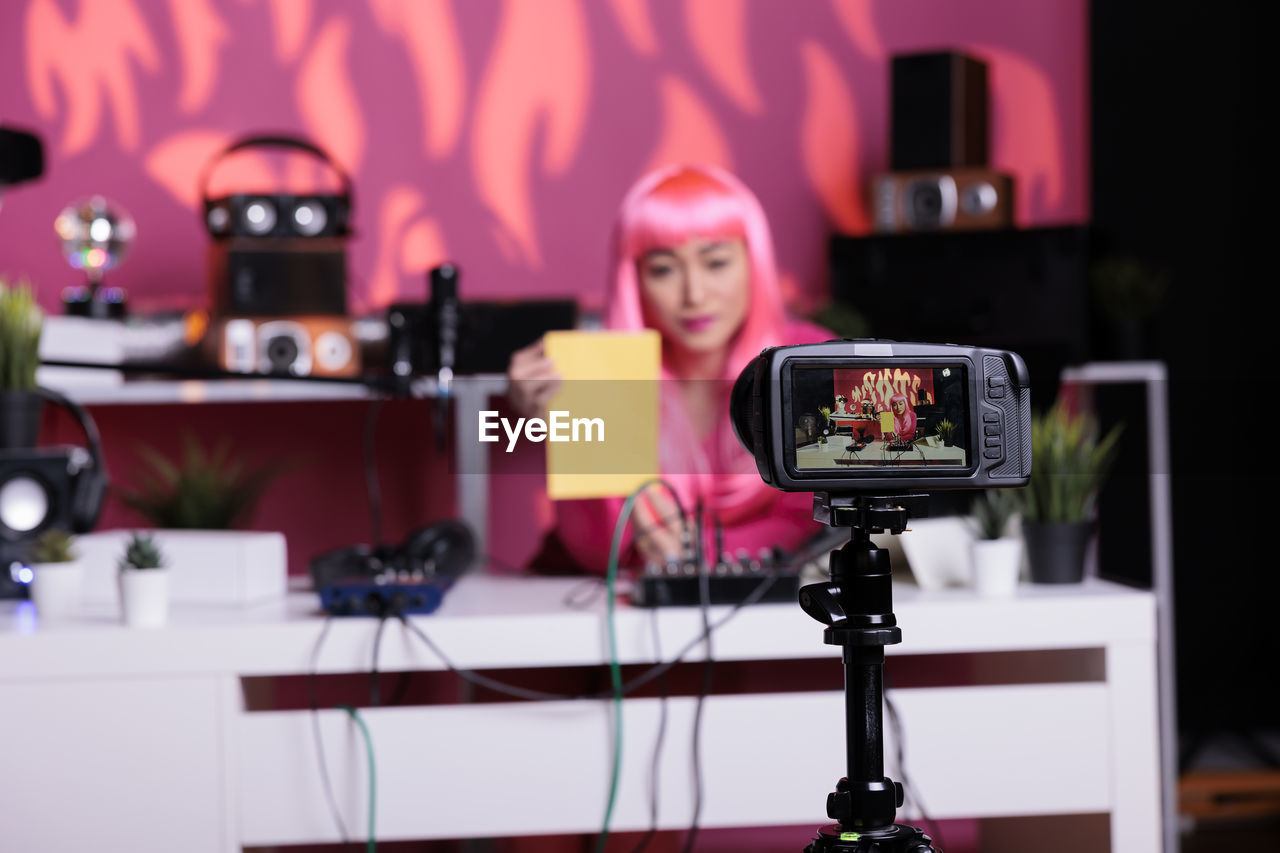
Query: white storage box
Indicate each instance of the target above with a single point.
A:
(206, 566)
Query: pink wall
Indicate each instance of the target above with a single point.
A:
(501, 135)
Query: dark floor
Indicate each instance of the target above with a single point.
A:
(1234, 837)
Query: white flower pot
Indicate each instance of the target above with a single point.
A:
(55, 589)
(144, 597)
(996, 565)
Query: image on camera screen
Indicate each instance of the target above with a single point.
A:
(879, 416)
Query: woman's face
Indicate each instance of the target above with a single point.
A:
(899, 407)
(697, 294)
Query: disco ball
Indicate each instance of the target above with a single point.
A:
(95, 235)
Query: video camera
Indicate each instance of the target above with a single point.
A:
(864, 415)
(865, 425)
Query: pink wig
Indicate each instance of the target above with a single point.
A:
(663, 210)
(672, 205)
(905, 424)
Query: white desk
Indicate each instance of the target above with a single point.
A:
(125, 739)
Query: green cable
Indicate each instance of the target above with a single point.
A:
(615, 668)
(372, 844)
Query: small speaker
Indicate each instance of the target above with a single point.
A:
(942, 200)
(275, 253)
(285, 346)
(279, 215)
(939, 111)
(281, 278)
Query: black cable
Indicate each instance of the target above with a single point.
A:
(315, 730)
(584, 593)
(708, 671)
(912, 794)
(375, 693)
(371, 470)
(656, 671)
(654, 765)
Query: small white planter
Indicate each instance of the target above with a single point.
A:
(55, 589)
(996, 565)
(144, 597)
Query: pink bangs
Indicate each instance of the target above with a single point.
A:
(686, 205)
(671, 206)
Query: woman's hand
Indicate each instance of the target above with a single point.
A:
(659, 526)
(532, 380)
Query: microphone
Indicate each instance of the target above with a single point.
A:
(445, 319)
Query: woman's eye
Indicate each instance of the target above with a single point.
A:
(717, 263)
(658, 270)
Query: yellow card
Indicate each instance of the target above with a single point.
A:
(605, 413)
(886, 422)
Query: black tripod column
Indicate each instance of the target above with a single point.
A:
(864, 698)
(857, 606)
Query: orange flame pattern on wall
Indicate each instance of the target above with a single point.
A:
(879, 386)
(522, 128)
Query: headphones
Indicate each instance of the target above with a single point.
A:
(277, 215)
(60, 487)
(89, 482)
(437, 554)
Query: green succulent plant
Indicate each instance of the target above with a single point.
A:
(141, 552)
(946, 430)
(53, 546)
(200, 491)
(991, 511)
(1069, 463)
(21, 322)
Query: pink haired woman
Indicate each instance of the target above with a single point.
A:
(693, 259)
(904, 417)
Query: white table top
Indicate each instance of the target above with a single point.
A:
(496, 622)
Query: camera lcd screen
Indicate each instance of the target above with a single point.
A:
(879, 416)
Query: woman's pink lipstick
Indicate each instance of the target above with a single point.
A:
(698, 324)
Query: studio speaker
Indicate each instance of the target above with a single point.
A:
(939, 111)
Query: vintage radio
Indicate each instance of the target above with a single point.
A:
(956, 199)
(285, 346)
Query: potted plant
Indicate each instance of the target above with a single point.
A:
(56, 573)
(946, 431)
(21, 322)
(997, 553)
(144, 583)
(199, 491)
(1069, 464)
(825, 411)
(1128, 293)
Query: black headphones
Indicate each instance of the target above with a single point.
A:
(277, 215)
(89, 481)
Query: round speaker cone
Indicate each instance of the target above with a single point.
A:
(218, 220)
(282, 353)
(310, 218)
(333, 351)
(259, 217)
(978, 199)
(24, 504)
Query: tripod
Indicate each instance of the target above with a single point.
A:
(856, 605)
